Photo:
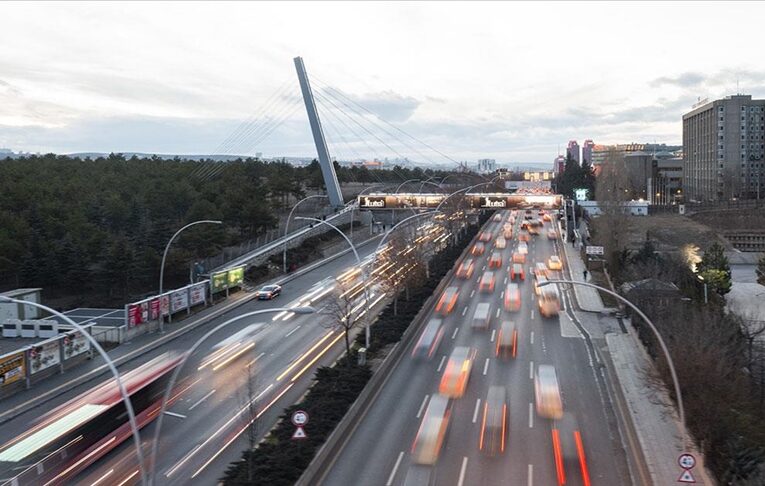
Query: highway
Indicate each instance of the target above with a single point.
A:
(202, 433)
(379, 451)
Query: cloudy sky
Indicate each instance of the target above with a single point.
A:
(510, 81)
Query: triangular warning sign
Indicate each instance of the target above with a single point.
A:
(300, 434)
(686, 477)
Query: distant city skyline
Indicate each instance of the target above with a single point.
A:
(180, 78)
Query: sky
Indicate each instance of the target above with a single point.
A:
(452, 81)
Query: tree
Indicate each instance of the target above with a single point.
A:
(715, 270)
(761, 270)
(344, 307)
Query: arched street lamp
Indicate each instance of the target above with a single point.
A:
(287, 225)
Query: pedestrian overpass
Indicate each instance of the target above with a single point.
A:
(473, 200)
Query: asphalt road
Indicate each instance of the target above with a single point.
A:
(202, 435)
(378, 451)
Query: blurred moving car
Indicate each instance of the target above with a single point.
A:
(540, 269)
(484, 236)
(523, 237)
(457, 372)
(447, 301)
(546, 217)
(551, 234)
(432, 432)
(517, 271)
(507, 340)
(429, 339)
(494, 423)
(465, 270)
(538, 279)
(512, 297)
(268, 292)
(547, 393)
(497, 217)
(419, 475)
(523, 248)
(500, 243)
(554, 263)
(481, 316)
(486, 284)
(519, 257)
(495, 260)
(478, 249)
(508, 233)
(549, 301)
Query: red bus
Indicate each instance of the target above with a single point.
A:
(71, 437)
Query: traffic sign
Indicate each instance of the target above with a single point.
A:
(299, 434)
(686, 477)
(299, 418)
(686, 461)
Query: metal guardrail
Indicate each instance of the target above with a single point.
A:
(279, 242)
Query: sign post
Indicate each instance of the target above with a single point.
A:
(299, 419)
(686, 462)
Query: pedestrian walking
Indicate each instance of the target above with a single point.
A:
(585, 275)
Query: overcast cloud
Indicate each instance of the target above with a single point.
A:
(511, 81)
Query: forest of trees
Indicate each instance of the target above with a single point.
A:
(98, 226)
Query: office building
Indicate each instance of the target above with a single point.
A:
(723, 149)
(487, 165)
(559, 164)
(573, 151)
(587, 150)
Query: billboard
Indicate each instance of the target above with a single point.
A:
(197, 293)
(179, 300)
(44, 356)
(75, 344)
(218, 282)
(235, 277)
(11, 368)
(138, 313)
(474, 200)
(154, 309)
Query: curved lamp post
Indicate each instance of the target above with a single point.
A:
(187, 354)
(664, 349)
(287, 225)
(162, 268)
(112, 368)
(387, 233)
(358, 260)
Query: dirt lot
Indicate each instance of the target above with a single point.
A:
(733, 219)
(669, 232)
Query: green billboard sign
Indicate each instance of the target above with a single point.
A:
(235, 277)
(218, 282)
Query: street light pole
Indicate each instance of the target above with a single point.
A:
(358, 260)
(112, 368)
(287, 225)
(162, 267)
(187, 354)
(664, 348)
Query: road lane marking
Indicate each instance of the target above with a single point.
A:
(201, 400)
(531, 370)
(264, 391)
(180, 463)
(477, 407)
(464, 310)
(422, 407)
(290, 333)
(173, 414)
(256, 358)
(493, 333)
(532, 313)
(454, 334)
(472, 293)
(532, 337)
(485, 366)
(108, 473)
(506, 277)
(484, 268)
(530, 481)
(497, 312)
(462, 471)
(531, 415)
(395, 468)
(502, 295)
(441, 364)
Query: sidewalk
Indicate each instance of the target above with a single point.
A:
(651, 412)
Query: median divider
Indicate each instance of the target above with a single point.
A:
(326, 456)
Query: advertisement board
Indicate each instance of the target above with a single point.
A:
(218, 282)
(154, 309)
(235, 277)
(11, 368)
(164, 304)
(197, 293)
(74, 344)
(179, 300)
(43, 356)
(476, 200)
